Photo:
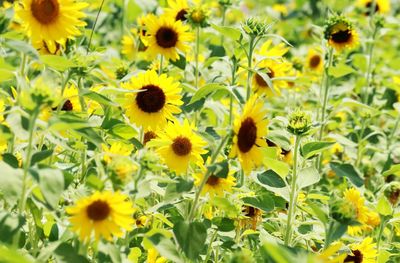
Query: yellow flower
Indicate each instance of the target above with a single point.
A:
(116, 149)
(51, 21)
(177, 10)
(340, 34)
(315, 60)
(354, 199)
(71, 100)
(252, 217)
(166, 36)
(329, 255)
(42, 47)
(155, 103)
(129, 48)
(123, 167)
(381, 6)
(216, 186)
(179, 146)
(364, 252)
(249, 132)
(106, 214)
(152, 256)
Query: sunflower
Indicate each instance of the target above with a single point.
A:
(106, 214)
(116, 149)
(249, 131)
(177, 10)
(155, 100)
(340, 33)
(166, 36)
(330, 254)
(71, 101)
(252, 216)
(381, 6)
(363, 252)
(315, 60)
(148, 136)
(42, 47)
(216, 186)
(51, 21)
(129, 48)
(179, 146)
(354, 198)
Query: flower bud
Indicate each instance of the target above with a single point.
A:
(299, 122)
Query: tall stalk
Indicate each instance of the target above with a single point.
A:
(249, 66)
(197, 51)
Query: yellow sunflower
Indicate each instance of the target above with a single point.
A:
(177, 10)
(215, 186)
(330, 254)
(179, 146)
(71, 101)
(381, 6)
(42, 47)
(129, 48)
(315, 60)
(252, 216)
(340, 34)
(166, 36)
(354, 198)
(106, 214)
(249, 132)
(364, 252)
(155, 100)
(51, 21)
(116, 149)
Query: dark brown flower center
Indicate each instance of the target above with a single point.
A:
(181, 146)
(151, 99)
(356, 258)
(247, 135)
(166, 37)
(148, 136)
(261, 82)
(315, 61)
(45, 11)
(213, 180)
(342, 36)
(249, 211)
(181, 15)
(67, 106)
(98, 210)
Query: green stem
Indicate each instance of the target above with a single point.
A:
(160, 69)
(293, 193)
(197, 51)
(380, 233)
(223, 22)
(365, 94)
(203, 182)
(249, 66)
(233, 83)
(209, 250)
(94, 26)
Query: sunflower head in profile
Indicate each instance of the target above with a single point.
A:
(249, 132)
(165, 36)
(103, 214)
(51, 21)
(177, 10)
(381, 6)
(154, 101)
(363, 252)
(315, 60)
(179, 145)
(340, 33)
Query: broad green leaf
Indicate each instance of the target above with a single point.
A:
(10, 255)
(347, 170)
(224, 224)
(165, 247)
(11, 183)
(206, 90)
(51, 183)
(308, 176)
(318, 212)
(6, 74)
(57, 62)
(22, 46)
(10, 224)
(383, 207)
(277, 253)
(340, 70)
(124, 131)
(394, 169)
(65, 253)
(312, 148)
(271, 178)
(99, 98)
(279, 167)
(356, 104)
(191, 237)
(40, 156)
(229, 32)
(360, 61)
(264, 202)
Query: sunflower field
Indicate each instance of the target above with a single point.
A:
(199, 131)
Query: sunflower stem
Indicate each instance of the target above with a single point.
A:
(293, 193)
(203, 182)
(365, 94)
(160, 69)
(223, 22)
(249, 66)
(196, 72)
(382, 226)
(94, 26)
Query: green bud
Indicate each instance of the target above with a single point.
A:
(343, 212)
(392, 192)
(254, 27)
(121, 72)
(198, 16)
(299, 122)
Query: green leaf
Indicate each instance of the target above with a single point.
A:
(57, 62)
(312, 148)
(220, 169)
(227, 31)
(191, 237)
(281, 168)
(11, 160)
(383, 207)
(318, 212)
(308, 176)
(224, 224)
(165, 247)
(264, 202)
(340, 70)
(124, 131)
(394, 169)
(40, 156)
(11, 183)
(10, 224)
(347, 170)
(180, 63)
(271, 178)
(65, 253)
(206, 90)
(6, 74)
(10, 255)
(99, 98)
(51, 183)
(22, 46)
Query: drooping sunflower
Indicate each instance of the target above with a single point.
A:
(215, 186)
(166, 36)
(103, 214)
(363, 252)
(155, 100)
(340, 33)
(51, 21)
(177, 9)
(179, 145)
(381, 6)
(315, 60)
(249, 132)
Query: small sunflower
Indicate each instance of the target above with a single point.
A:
(71, 101)
(364, 252)
(116, 149)
(216, 186)
(340, 33)
(249, 132)
(315, 60)
(155, 100)
(353, 197)
(178, 9)
(166, 36)
(129, 48)
(106, 214)
(252, 217)
(381, 6)
(179, 146)
(51, 21)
